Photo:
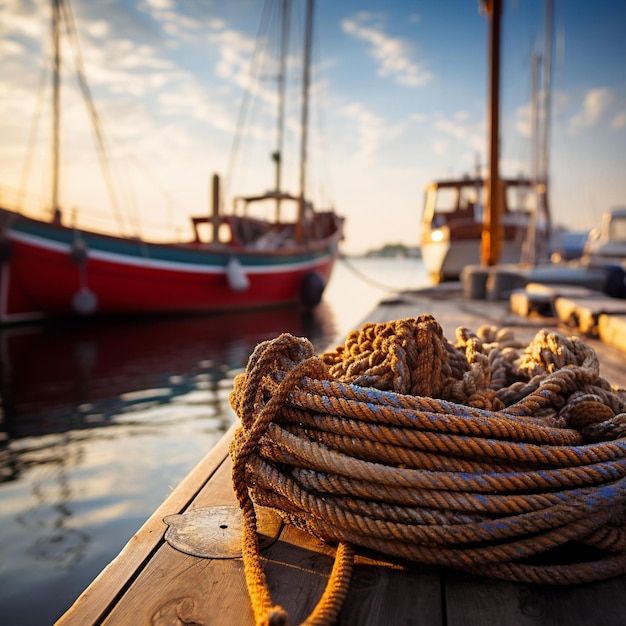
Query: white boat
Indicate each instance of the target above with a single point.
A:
(452, 224)
(606, 244)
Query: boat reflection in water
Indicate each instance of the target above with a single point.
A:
(80, 375)
(101, 419)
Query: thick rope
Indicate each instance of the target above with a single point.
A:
(487, 456)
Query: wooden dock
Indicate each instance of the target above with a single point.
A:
(151, 582)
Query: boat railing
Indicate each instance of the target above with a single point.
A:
(89, 219)
(28, 205)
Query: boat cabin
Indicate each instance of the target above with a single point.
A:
(606, 244)
(452, 222)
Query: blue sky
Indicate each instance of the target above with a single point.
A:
(399, 99)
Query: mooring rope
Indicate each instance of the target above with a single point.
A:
(487, 455)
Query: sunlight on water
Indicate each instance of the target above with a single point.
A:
(358, 284)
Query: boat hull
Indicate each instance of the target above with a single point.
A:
(52, 270)
(445, 260)
(606, 244)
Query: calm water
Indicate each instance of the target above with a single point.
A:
(102, 420)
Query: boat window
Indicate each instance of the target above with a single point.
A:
(446, 200)
(618, 229)
(266, 210)
(520, 199)
(468, 198)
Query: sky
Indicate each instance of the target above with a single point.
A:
(398, 98)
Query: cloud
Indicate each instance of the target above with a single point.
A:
(10, 48)
(176, 25)
(595, 104)
(524, 113)
(160, 5)
(97, 29)
(18, 19)
(371, 130)
(192, 101)
(619, 121)
(128, 68)
(440, 146)
(392, 54)
(465, 132)
(234, 49)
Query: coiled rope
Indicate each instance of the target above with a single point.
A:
(488, 455)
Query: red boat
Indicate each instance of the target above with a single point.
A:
(52, 269)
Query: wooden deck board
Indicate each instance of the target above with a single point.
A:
(612, 330)
(583, 313)
(472, 600)
(151, 582)
(388, 597)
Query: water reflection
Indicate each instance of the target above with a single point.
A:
(46, 515)
(99, 421)
(59, 377)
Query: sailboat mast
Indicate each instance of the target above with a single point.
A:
(492, 225)
(56, 102)
(547, 109)
(529, 248)
(306, 77)
(280, 129)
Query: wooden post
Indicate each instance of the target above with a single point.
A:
(216, 220)
(492, 233)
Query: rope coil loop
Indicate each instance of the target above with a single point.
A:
(487, 455)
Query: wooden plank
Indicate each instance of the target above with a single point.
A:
(539, 299)
(93, 603)
(611, 362)
(472, 600)
(525, 304)
(583, 313)
(385, 596)
(561, 290)
(612, 330)
(174, 584)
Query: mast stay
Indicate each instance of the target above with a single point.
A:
(62, 15)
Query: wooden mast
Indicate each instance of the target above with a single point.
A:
(492, 223)
(547, 109)
(56, 105)
(280, 126)
(306, 77)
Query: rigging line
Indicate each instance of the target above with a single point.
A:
(282, 74)
(326, 189)
(84, 87)
(32, 138)
(364, 277)
(131, 156)
(248, 93)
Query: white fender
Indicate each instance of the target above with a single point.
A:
(85, 301)
(237, 279)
